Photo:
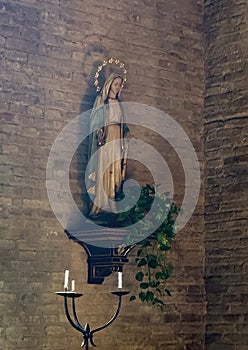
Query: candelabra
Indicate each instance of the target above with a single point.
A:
(102, 261)
(86, 331)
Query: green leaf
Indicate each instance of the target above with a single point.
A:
(162, 238)
(149, 296)
(132, 297)
(158, 275)
(159, 291)
(164, 275)
(158, 301)
(139, 276)
(142, 262)
(164, 247)
(154, 284)
(144, 285)
(142, 296)
(152, 256)
(139, 252)
(153, 263)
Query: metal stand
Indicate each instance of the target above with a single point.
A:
(87, 333)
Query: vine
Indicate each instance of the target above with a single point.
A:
(153, 269)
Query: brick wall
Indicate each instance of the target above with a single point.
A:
(226, 145)
(48, 50)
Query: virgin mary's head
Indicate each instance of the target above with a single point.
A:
(112, 86)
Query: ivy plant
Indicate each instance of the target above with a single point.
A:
(153, 269)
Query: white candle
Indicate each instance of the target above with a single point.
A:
(66, 280)
(119, 279)
(73, 285)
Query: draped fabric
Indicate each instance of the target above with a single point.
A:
(106, 167)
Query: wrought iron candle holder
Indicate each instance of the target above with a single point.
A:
(105, 255)
(74, 321)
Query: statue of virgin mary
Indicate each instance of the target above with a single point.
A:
(107, 148)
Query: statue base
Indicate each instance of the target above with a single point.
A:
(105, 251)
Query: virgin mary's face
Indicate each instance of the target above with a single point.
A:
(116, 86)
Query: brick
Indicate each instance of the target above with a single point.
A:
(49, 50)
(226, 186)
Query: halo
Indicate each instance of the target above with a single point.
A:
(105, 63)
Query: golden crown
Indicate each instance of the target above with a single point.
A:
(111, 60)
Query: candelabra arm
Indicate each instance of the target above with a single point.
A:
(75, 314)
(120, 294)
(111, 320)
(77, 326)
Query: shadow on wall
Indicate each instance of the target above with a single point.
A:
(92, 59)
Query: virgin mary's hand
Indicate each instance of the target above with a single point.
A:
(100, 137)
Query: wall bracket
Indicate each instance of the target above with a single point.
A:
(105, 250)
